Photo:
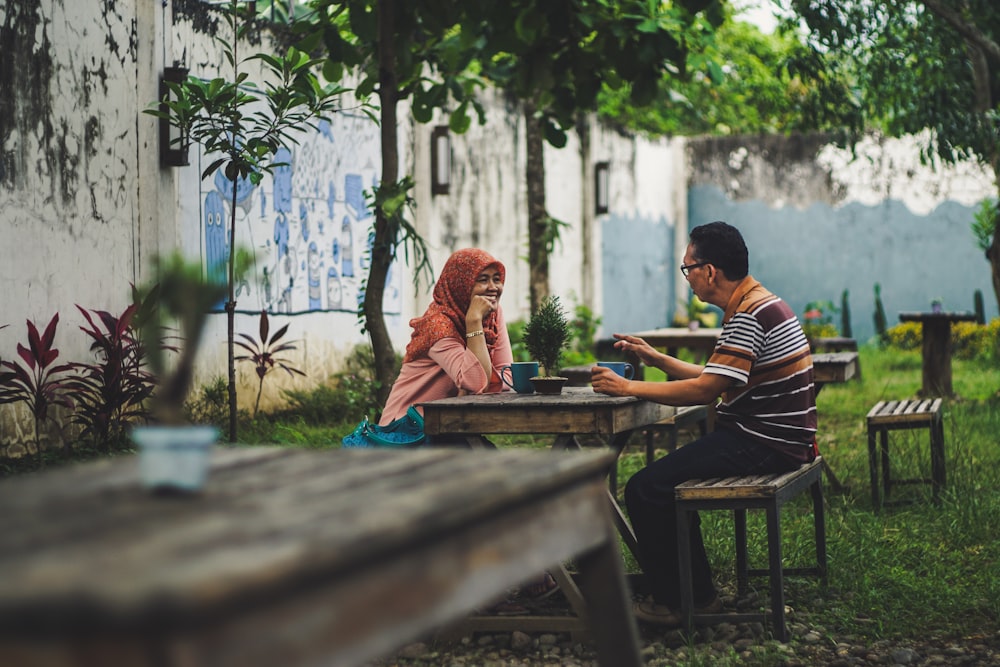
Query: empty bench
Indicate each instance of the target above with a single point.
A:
(739, 494)
(888, 416)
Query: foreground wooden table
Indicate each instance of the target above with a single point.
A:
(295, 557)
(936, 330)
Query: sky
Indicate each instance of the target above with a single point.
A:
(758, 12)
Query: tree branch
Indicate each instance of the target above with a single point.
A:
(968, 30)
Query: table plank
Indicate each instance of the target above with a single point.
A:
(120, 556)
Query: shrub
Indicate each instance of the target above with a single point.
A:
(110, 393)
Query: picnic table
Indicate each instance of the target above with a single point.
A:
(576, 418)
(936, 331)
(296, 557)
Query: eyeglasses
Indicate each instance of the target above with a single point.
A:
(686, 268)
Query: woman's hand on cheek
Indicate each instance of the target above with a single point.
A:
(479, 308)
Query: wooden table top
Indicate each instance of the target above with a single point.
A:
(85, 549)
(701, 337)
(931, 316)
(576, 411)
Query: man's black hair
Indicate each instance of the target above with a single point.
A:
(721, 245)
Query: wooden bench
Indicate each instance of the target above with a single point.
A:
(701, 415)
(739, 494)
(888, 416)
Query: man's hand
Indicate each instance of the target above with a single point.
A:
(606, 381)
(646, 353)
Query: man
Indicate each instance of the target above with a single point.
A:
(766, 420)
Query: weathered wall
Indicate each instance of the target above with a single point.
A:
(85, 205)
(819, 220)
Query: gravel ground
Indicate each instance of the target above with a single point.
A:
(725, 644)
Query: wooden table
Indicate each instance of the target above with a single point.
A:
(936, 328)
(576, 412)
(701, 341)
(294, 557)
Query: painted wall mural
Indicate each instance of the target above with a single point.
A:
(306, 222)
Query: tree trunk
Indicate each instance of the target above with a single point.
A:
(231, 318)
(382, 247)
(538, 218)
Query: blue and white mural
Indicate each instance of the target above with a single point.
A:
(307, 222)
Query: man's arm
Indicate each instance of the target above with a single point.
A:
(705, 388)
(653, 358)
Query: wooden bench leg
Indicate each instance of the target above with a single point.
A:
(742, 561)
(819, 529)
(937, 456)
(873, 468)
(684, 568)
(776, 577)
(886, 470)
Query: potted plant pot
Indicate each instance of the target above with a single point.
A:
(174, 458)
(549, 384)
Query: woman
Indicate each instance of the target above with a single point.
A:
(460, 343)
(458, 347)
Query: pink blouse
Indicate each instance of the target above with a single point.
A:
(448, 368)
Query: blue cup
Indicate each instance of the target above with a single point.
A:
(521, 373)
(620, 367)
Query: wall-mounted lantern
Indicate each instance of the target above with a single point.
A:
(601, 188)
(174, 144)
(440, 161)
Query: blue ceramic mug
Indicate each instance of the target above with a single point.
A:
(521, 373)
(619, 367)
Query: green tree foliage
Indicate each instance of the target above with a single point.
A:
(743, 81)
(921, 65)
(400, 49)
(242, 125)
(556, 57)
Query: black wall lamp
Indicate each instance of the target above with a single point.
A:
(440, 161)
(601, 195)
(173, 142)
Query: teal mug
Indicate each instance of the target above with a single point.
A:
(521, 373)
(619, 367)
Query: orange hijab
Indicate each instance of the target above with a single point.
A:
(445, 317)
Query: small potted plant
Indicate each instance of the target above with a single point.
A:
(545, 336)
(173, 454)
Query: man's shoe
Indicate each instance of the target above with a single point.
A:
(662, 615)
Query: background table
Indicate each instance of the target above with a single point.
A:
(294, 557)
(701, 341)
(936, 330)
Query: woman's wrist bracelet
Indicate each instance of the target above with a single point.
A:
(473, 334)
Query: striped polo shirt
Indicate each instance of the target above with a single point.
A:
(762, 347)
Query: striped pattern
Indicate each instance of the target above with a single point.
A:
(763, 349)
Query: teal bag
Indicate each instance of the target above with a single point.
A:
(407, 431)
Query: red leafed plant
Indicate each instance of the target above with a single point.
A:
(35, 380)
(111, 393)
(263, 352)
